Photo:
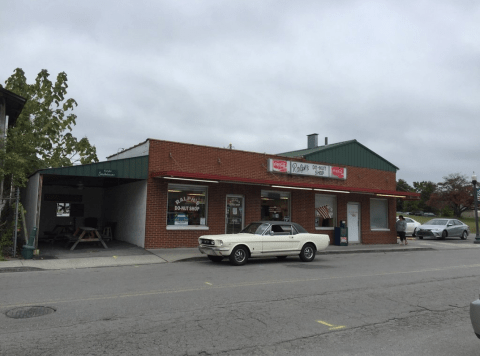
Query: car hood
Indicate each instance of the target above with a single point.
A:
(226, 237)
(432, 227)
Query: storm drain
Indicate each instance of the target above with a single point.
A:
(29, 312)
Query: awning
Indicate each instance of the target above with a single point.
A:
(213, 178)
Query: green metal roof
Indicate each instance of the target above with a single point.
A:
(133, 168)
(348, 153)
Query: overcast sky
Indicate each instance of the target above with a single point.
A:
(400, 77)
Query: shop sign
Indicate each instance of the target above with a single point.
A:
(106, 173)
(181, 204)
(276, 165)
(306, 169)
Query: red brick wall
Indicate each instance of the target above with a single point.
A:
(173, 156)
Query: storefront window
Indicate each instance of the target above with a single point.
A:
(275, 205)
(325, 211)
(378, 214)
(187, 205)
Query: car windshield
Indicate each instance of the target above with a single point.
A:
(437, 222)
(255, 228)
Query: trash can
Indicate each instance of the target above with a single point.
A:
(341, 236)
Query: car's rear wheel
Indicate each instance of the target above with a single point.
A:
(464, 235)
(307, 254)
(239, 256)
(215, 258)
(444, 234)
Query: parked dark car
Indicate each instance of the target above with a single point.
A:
(429, 214)
(418, 213)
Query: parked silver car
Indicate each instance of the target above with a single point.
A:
(475, 316)
(442, 228)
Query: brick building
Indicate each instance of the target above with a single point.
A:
(191, 190)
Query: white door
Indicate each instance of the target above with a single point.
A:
(353, 222)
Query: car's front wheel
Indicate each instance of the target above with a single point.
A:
(444, 234)
(414, 233)
(239, 256)
(215, 258)
(307, 254)
(464, 235)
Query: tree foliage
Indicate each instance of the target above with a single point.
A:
(42, 136)
(402, 186)
(455, 193)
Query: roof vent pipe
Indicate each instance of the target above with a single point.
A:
(326, 141)
(312, 140)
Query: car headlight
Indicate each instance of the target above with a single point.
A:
(218, 243)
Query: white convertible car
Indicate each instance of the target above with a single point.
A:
(263, 239)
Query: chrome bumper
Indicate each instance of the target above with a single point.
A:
(214, 251)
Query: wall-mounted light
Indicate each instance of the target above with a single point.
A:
(391, 196)
(192, 180)
(331, 191)
(281, 186)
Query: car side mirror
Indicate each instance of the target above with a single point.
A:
(271, 233)
(449, 225)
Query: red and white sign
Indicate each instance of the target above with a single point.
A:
(338, 172)
(279, 166)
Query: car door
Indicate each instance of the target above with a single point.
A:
(458, 228)
(279, 238)
(451, 228)
(410, 226)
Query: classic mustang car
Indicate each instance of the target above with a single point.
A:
(263, 239)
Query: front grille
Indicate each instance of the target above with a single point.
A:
(425, 232)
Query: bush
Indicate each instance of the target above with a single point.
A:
(447, 212)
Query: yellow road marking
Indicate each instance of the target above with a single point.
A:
(226, 286)
(331, 327)
(210, 284)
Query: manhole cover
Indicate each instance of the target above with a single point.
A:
(29, 312)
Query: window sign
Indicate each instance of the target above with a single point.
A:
(63, 210)
(186, 205)
(181, 219)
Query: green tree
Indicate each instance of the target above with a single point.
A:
(42, 136)
(425, 188)
(454, 193)
(402, 186)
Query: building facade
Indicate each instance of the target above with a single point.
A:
(162, 194)
(195, 190)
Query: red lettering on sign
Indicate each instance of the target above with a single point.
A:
(338, 172)
(280, 166)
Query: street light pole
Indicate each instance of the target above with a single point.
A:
(474, 182)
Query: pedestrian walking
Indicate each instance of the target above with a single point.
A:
(401, 226)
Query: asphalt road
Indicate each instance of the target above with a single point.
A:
(405, 303)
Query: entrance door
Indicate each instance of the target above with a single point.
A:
(234, 214)
(353, 222)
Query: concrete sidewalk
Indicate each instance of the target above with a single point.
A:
(157, 256)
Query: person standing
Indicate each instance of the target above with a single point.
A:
(401, 227)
